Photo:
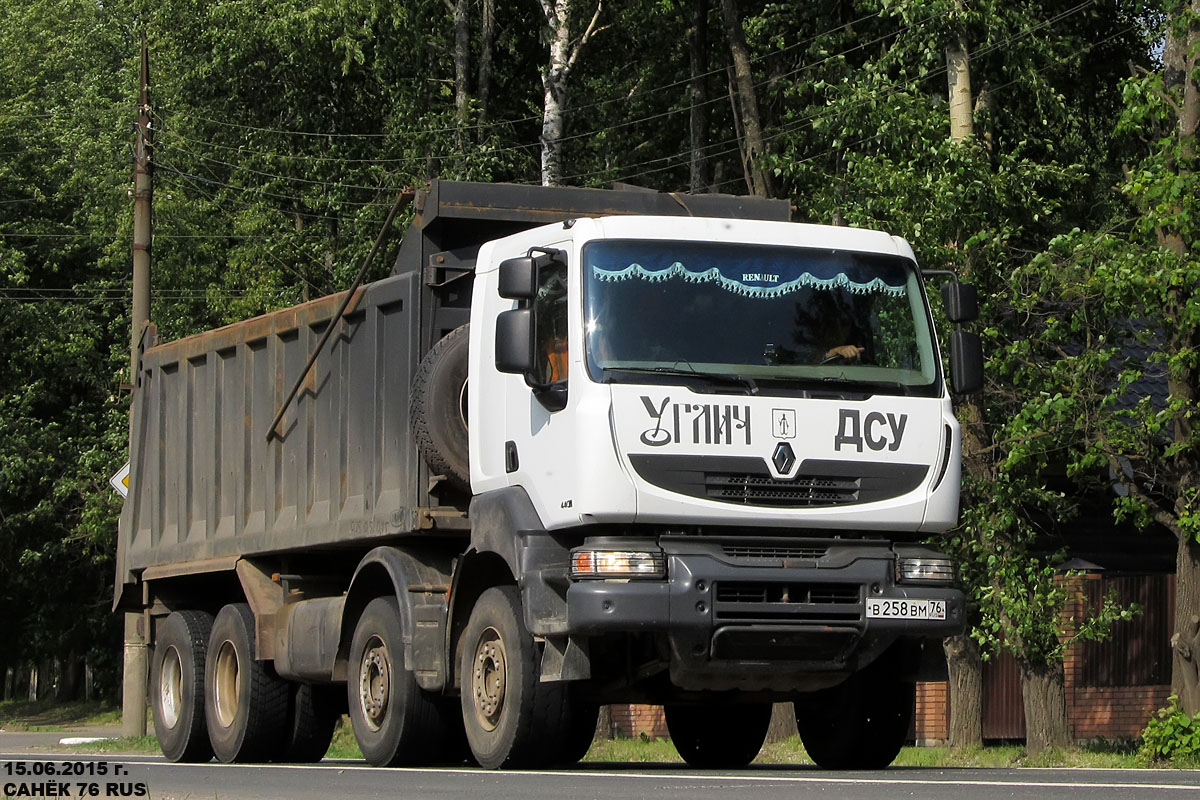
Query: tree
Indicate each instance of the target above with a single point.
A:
(753, 147)
(564, 52)
(880, 154)
(1128, 290)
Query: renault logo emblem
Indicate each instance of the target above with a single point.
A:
(783, 458)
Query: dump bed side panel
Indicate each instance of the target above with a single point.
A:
(205, 481)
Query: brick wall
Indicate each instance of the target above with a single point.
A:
(631, 721)
(1114, 712)
(932, 715)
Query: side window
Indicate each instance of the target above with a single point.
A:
(550, 313)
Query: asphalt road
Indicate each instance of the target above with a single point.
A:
(132, 776)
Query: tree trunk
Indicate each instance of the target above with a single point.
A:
(604, 724)
(33, 683)
(462, 64)
(958, 84)
(1180, 58)
(1185, 643)
(783, 723)
(554, 89)
(755, 148)
(487, 44)
(966, 691)
(88, 683)
(698, 93)
(10, 679)
(72, 670)
(1045, 701)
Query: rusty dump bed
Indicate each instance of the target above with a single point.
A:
(205, 481)
(206, 484)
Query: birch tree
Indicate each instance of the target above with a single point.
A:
(564, 52)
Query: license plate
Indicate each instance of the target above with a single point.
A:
(906, 609)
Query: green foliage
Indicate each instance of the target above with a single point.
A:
(1171, 735)
(284, 131)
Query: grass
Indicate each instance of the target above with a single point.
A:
(1094, 755)
(45, 716)
(49, 716)
(343, 745)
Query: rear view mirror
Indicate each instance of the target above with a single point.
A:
(518, 278)
(961, 301)
(514, 341)
(966, 362)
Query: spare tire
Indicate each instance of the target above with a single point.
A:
(438, 408)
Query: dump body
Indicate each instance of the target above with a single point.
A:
(341, 469)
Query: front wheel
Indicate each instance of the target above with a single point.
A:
(720, 737)
(859, 724)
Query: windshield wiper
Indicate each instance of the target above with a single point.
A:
(709, 378)
(904, 388)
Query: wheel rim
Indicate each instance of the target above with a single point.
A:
(170, 687)
(228, 683)
(375, 683)
(489, 679)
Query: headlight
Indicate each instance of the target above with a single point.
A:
(592, 563)
(924, 569)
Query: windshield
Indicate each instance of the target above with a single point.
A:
(670, 311)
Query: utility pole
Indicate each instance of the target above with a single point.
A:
(136, 660)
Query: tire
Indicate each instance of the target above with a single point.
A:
(511, 718)
(579, 730)
(313, 715)
(438, 408)
(177, 681)
(718, 737)
(245, 702)
(859, 724)
(394, 721)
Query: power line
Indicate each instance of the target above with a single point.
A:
(534, 118)
(816, 115)
(599, 131)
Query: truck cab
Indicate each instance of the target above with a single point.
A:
(737, 432)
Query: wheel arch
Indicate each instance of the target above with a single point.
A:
(511, 547)
(389, 570)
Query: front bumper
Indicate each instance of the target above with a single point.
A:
(764, 614)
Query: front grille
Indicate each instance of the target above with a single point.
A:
(747, 480)
(786, 593)
(762, 490)
(774, 551)
(746, 601)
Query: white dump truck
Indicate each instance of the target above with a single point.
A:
(582, 447)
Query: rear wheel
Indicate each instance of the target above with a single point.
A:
(858, 724)
(177, 678)
(394, 721)
(245, 702)
(579, 729)
(314, 713)
(718, 737)
(511, 718)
